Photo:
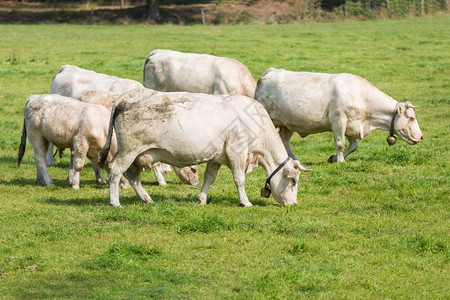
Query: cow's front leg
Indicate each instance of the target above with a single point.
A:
(79, 155)
(239, 181)
(49, 155)
(133, 174)
(158, 174)
(339, 141)
(70, 174)
(210, 175)
(285, 135)
(237, 166)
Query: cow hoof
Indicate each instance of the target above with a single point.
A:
(201, 200)
(245, 204)
(75, 187)
(115, 204)
(332, 159)
(162, 183)
(147, 200)
(102, 182)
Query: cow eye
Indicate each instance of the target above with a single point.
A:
(294, 181)
(411, 119)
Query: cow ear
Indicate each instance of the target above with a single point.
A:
(290, 172)
(252, 163)
(401, 108)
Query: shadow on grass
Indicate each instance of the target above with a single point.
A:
(32, 181)
(158, 198)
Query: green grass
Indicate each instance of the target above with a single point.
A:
(374, 227)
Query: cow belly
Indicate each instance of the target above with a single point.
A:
(179, 157)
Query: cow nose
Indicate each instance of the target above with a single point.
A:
(421, 138)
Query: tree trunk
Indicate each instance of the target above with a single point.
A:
(122, 4)
(153, 10)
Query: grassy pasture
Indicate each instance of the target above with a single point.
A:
(374, 227)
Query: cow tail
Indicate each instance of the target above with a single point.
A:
(105, 150)
(23, 143)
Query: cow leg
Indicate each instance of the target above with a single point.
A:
(117, 166)
(80, 148)
(158, 174)
(210, 176)
(40, 146)
(70, 174)
(286, 135)
(353, 144)
(339, 140)
(239, 180)
(49, 155)
(97, 171)
(133, 174)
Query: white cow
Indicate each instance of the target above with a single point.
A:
(67, 123)
(345, 104)
(184, 129)
(188, 175)
(172, 71)
(72, 81)
(75, 82)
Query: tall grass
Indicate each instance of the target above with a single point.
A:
(373, 227)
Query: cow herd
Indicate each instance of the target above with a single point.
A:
(196, 108)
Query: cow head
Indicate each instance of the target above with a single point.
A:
(284, 184)
(406, 125)
(188, 175)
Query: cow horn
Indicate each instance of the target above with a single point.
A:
(410, 105)
(299, 166)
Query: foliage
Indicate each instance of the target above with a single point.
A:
(373, 227)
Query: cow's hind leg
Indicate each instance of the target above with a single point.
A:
(339, 140)
(210, 175)
(40, 146)
(133, 174)
(285, 135)
(352, 146)
(118, 165)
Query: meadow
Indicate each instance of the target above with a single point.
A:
(374, 227)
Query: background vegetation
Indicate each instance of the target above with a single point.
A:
(376, 226)
(213, 11)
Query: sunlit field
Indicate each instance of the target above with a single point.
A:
(376, 226)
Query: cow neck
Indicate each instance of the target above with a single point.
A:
(270, 162)
(382, 115)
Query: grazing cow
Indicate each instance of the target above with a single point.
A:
(188, 175)
(184, 129)
(93, 87)
(72, 81)
(172, 71)
(67, 123)
(345, 104)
